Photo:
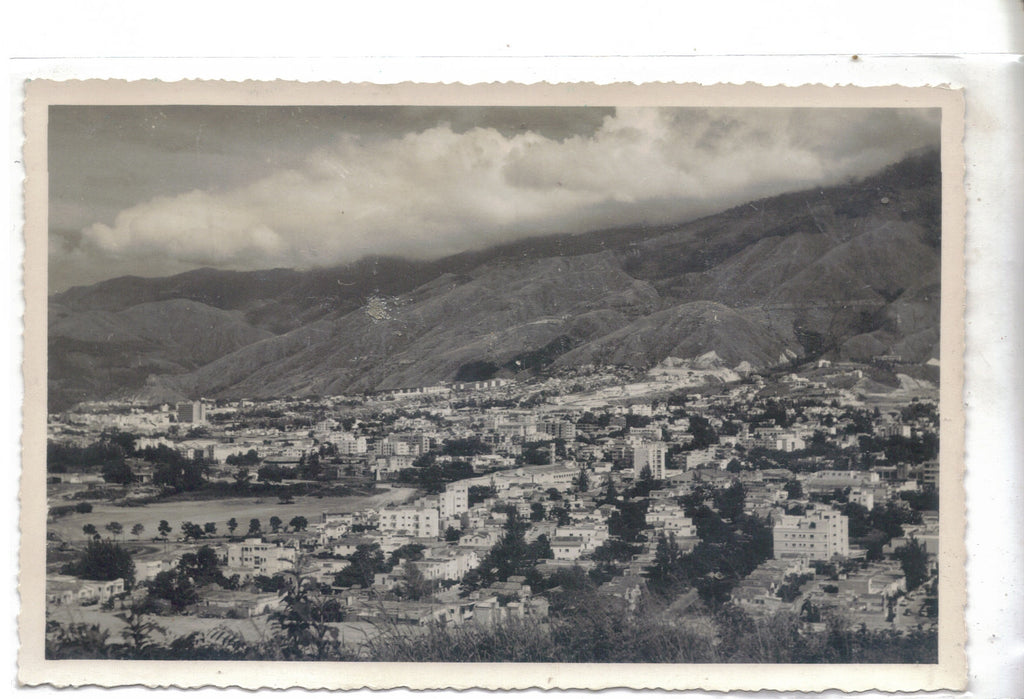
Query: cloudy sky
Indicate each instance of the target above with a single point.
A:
(163, 189)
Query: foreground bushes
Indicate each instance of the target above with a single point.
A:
(599, 630)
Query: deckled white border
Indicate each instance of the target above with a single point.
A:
(948, 674)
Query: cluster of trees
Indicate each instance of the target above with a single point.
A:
(432, 475)
(876, 527)
(727, 552)
(113, 447)
(249, 458)
(82, 507)
(369, 560)
(511, 555)
(180, 586)
(174, 470)
(103, 560)
(899, 449)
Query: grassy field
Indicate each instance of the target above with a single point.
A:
(69, 528)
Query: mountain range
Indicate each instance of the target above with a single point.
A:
(849, 272)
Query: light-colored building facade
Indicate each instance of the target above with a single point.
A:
(258, 557)
(650, 455)
(420, 522)
(817, 535)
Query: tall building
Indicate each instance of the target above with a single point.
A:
(193, 412)
(816, 535)
(651, 455)
(454, 500)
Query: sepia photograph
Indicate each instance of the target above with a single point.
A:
(533, 378)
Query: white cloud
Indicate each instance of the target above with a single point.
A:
(437, 192)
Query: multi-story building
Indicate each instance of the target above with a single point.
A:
(454, 500)
(650, 455)
(817, 535)
(671, 519)
(258, 557)
(649, 433)
(349, 444)
(420, 522)
(192, 412)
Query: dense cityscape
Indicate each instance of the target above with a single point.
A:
(594, 514)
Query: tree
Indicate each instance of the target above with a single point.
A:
(255, 528)
(704, 434)
(582, 481)
(363, 564)
(103, 560)
(540, 549)
(90, 530)
(645, 483)
(125, 441)
(609, 493)
(479, 493)
(298, 523)
(629, 520)
(174, 470)
(83, 508)
(537, 512)
(560, 515)
(510, 556)
(794, 489)
(615, 550)
(139, 631)
(137, 530)
(202, 567)
(666, 574)
(310, 469)
(452, 535)
(115, 529)
(175, 587)
(164, 528)
(232, 526)
(414, 585)
(242, 477)
(191, 530)
(731, 501)
(117, 472)
(270, 473)
(210, 528)
(275, 524)
(914, 560)
(308, 619)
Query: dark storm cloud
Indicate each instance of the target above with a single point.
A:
(155, 190)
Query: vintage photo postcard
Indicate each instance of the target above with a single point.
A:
(495, 386)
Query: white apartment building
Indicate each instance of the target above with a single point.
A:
(258, 557)
(567, 548)
(448, 565)
(349, 444)
(420, 522)
(671, 519)
(817, 535)
(651, 455)
(590, 535)
(454, 500)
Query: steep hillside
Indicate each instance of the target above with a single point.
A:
(845, 272)
(92, 351)
(499, 312)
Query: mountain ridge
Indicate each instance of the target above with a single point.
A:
(848, 271)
